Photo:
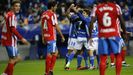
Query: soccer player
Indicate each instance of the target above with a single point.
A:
(109, 17)
(72, 40)
(93, 45)
(123, 52)
(9, 37)
(82, 36)
(49, 27)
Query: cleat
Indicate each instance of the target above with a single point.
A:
(125, 65)
(92, 68)
(3, 74)
(67, 68)
(112, 66)
(51, 73)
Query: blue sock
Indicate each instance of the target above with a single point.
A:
(70, 57)
(92, 60)
(66, 59)
(79, 59)
(85, 55)
(98, 59)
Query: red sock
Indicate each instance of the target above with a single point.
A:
(123, 54)
(112, 57)
(47, 64)
(103, 59)
(9, 69)
(118, 64)
(53, 60)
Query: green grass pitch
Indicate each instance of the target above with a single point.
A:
(36, 67)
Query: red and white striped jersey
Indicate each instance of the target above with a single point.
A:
(108, 20)
(9, 32)
(49, 20)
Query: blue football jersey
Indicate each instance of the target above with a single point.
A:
(83, 24)
(73, 29)
(95, 30)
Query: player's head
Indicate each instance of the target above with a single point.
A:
(15, 5)
(52, 5)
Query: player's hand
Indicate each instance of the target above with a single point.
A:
(25, 41)
(62, 39)
(72, 5)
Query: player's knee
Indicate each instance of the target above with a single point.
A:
(18, 58)
(12, 60)
(70, 51)
(91, 53)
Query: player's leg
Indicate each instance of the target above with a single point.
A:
(85, 56)
(71, 54)
(115, 45)
(102, 65)
(53, 55)
(92, 47)
(103, 51)
(112, 57)
(123, 54)
(50, 47)
(79, 58)
(12, 60)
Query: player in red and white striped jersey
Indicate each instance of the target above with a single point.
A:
(49, 27)
(10, 36)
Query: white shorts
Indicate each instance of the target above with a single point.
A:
(94, 44)
(82, 42)
(72, 42)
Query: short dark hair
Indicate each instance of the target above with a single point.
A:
(51, 4)
(15, 1)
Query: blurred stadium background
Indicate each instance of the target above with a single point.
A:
(29, 25)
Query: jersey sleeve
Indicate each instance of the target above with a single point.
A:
(54, 19)
(12, 25)
(12, 21)
(118, 8)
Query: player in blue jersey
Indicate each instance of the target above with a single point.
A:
(82, 35)
(72, 40)
(93, 44)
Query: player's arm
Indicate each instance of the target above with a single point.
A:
(68, 10)
(42, 26)
(121, 21)
(93, 19)
(80, 14)
(59, 31)
(58, 28)
(15, 32)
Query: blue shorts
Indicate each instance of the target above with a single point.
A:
(109, 45)
(12, 51)
(51, 46)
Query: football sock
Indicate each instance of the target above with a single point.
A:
(123, 54)
(92, 60)
(118, 64)
(9, 69)
(66, 59)
(85, 56)
(102, 65)
(47, 64)
(79, 59)
(70, 57)
(98, 60)
(53, 60)
(112, 57)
